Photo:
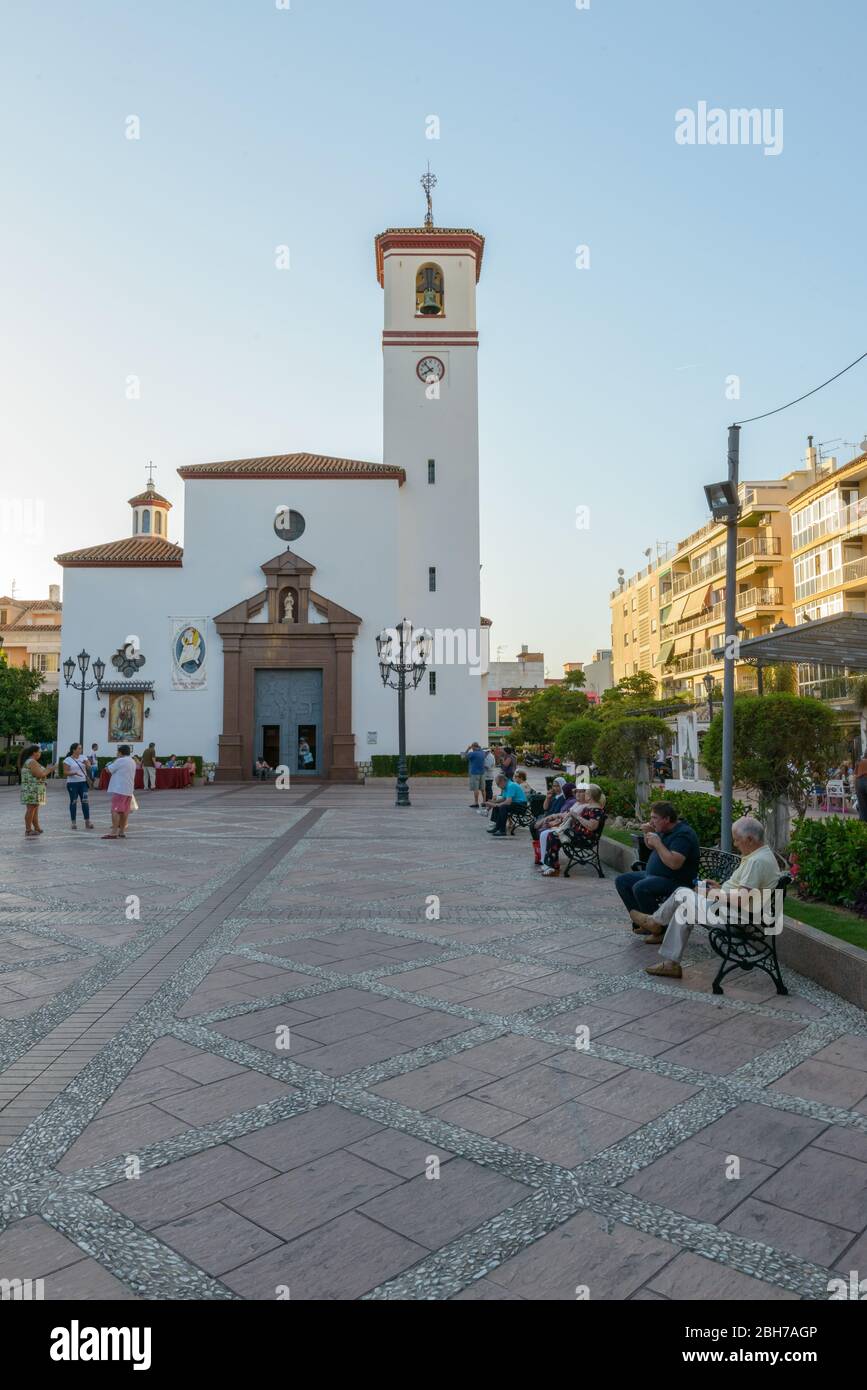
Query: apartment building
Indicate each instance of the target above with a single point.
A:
(829, 555)
(30, 634)
(669, 617)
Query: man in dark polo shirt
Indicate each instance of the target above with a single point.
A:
(673, 862)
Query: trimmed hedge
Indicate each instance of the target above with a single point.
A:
(829, 859)
(419, 764)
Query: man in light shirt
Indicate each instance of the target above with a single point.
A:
(120, 789)
(669, 927)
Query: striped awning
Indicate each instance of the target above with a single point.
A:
(665, 653)
(698, 600)
(683, 644)
(676, 610)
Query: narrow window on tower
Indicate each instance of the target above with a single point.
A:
(431, 470)
(432, 579)
(432, 682)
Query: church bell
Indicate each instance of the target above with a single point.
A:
(430, 303)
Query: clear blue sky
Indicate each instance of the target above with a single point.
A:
(600, 388)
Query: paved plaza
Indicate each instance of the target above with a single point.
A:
(301, 1044)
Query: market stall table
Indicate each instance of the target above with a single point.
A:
(168, 778)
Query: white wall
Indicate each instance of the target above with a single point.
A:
(350, 538)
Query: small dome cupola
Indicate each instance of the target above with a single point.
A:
(150, 511)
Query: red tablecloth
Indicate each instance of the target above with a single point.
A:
(168, 778)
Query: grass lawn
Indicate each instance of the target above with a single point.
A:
(833, 920)
(622, 835)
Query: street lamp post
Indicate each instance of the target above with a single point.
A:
(83, 684)
(402, 663)
(708, 682)
(725, 506)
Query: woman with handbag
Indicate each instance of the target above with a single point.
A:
(76, 768)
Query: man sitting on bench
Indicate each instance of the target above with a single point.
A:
(512, 798)
(677, 916)
(673, 862)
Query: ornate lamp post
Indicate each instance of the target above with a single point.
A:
(402, 663)
(708, 682)
(83, 684)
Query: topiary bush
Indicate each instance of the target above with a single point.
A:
(619, 796)
(829, 859)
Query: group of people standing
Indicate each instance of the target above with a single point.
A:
(77, 771)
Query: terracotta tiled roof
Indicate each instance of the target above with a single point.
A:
(42, 604)
(132, 550)
(293, 466)
(146, 497)
(425, 238)
(32, 627)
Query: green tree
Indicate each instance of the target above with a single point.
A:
(41, 722)
(624, 749)
(782, 745)
(576, 739)
(574, 680)
(781, 679)
(18, 686)
(542, 716)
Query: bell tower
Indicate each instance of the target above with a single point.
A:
(430, 429)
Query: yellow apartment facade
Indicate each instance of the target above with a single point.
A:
(668, 617)
(829, 557)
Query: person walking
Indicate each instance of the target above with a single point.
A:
(489, 771)
(93, 763)
(76, 768)
(121, 788)
(508, 763)
(149, 767)
(475, 757)
(859, 777)
(32, 776)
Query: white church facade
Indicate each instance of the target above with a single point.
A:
(257, 637)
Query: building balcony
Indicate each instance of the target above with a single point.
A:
(844, 522)
(853, 574)
(760, 598)
(758, 548)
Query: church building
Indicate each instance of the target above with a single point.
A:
(256, 638)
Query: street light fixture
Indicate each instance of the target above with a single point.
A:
(402, 657)
(83, 659)
(709, 683)
(722, 499)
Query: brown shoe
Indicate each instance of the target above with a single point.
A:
(643, 922)
(668, 969)
(652, 940)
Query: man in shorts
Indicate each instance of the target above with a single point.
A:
(475, 756)
(120, 789)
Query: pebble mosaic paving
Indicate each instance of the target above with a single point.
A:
(303, 1044)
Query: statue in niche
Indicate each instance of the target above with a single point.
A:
(289, 604)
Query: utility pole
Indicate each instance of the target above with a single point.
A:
(731, 644)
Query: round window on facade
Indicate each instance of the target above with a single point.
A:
(289, 525)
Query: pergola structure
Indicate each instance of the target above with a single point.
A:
(840, 640)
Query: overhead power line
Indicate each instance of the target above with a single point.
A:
(805, 395)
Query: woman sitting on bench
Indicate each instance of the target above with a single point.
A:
(581, 821)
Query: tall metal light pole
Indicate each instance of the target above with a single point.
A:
(83, 684)
(402, 663)
(725, 506)
(709, 685)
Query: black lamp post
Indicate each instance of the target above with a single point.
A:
(83, 684)
(708, 682)
(402, 663)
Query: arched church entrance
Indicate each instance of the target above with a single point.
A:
(287, 679)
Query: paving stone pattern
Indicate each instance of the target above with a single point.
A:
(247, 1054)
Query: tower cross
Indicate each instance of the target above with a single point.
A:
(428, 182)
